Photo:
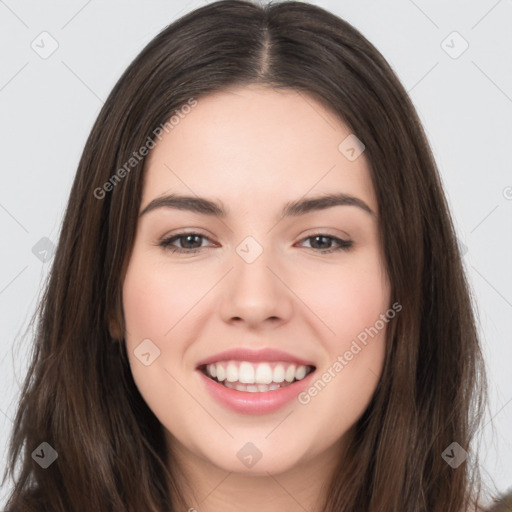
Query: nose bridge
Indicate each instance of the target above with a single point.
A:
(252, 262)
(254, 291)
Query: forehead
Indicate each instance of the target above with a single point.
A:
(247, 144)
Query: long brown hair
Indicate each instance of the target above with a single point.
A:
(79, 395)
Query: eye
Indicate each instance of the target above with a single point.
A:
(325, 243)
(191, 243)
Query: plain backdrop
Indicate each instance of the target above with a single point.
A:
(453, 57)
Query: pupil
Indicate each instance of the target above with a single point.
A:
(188, 238)
(321, 237)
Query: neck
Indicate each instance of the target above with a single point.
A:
(206, 487)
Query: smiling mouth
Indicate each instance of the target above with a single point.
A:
(255, 377)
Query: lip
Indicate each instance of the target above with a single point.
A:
(256, 356)
(260, 403)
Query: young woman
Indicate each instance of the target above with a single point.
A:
(257, 302)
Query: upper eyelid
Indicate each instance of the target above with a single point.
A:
(317, 231)
(181, 234)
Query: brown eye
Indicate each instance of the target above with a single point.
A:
(323, 243)
(190, 242)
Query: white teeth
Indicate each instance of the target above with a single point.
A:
(278, 374)
(221, 374)
(300, 373)
(290, 373)
(254, 388)
(246, 373)
(262, 376)
(231, 372)
(212, 370)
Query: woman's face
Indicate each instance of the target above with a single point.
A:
(283, 294)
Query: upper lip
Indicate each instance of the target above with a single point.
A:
(246, 354)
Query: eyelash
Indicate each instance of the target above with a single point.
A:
(344, 245)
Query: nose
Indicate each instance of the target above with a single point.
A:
(256, 294)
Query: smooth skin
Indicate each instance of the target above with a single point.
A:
(253, 149)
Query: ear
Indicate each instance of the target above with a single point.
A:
(116, 322)
(115, 328)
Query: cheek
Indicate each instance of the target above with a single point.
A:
(161, 304)
(154, 299)
(362, 298)
(153, 302)
(347, 298)
(351, 302)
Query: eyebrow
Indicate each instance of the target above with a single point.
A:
(293, 208)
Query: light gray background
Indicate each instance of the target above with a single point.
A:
(48, 107)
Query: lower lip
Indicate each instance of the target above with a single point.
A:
(264, 402)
